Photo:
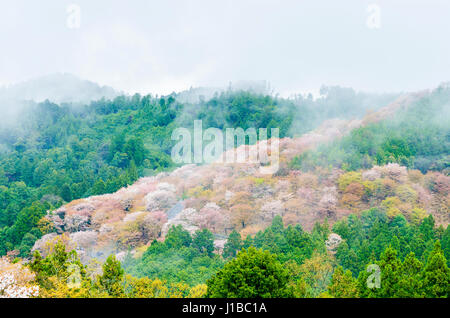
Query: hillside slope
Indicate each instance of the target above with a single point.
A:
(223, 197)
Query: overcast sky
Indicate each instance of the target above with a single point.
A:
(160, 46)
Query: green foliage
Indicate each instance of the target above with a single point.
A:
(252, 274)
(409, 278)
(410, 282)
(290, 243)
(203, 241)
(416, 137)
(111, 279)
(63, 152)
(178, 237)
(26, 223)
(436, 274)
(61, 265)
(179, 259)
(343, 285)
(71, 151)
(76, 151)
(233, 245)
(368, 236)
(245, 110)
(445, 242)
(390, 268)
(300, 267)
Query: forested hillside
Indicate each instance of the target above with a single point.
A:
(363, 180)
(58, 153)
(417, 138)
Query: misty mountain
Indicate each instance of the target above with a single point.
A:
(197, 94)
(58, 88)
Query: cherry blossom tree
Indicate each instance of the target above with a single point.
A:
(16, 281)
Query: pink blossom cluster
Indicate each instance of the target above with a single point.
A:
(15, 281)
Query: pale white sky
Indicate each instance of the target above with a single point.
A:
(154, 46)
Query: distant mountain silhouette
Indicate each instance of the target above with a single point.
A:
(58, 88)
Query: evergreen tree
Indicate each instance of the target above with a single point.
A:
(277, 224)
(233, 244)
(427, 228)
(99, 187)
(445, 242)
(178, 237)
(410, 283)
(66, 193)
(390, 267)
(436, 275)
(133, 174)
(111, 279)
(253, 273)
(203, 241)
(389, 271)
(343, 285)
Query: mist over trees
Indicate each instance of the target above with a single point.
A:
(417, 138)
(57, 152)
